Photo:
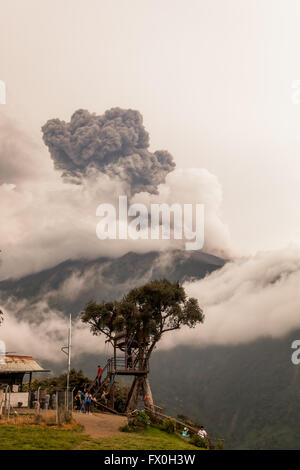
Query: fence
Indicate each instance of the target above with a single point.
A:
(6, 403)
(60, 401)
(63, 406)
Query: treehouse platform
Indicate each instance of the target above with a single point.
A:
(118, 366)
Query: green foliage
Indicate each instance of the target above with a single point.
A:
(128, 428)
(141, 418)
(169, 425)
(138, 420)
(147, 311)
(199, 441)
(121, 394)
(220, 445)
(77, 381)
(154, 419)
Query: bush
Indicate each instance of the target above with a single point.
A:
(142, 419)
(138, 420)
(169, 426)
(220, 445)
(121, 393)
(127, 428)
(199, 441)
(153, 418)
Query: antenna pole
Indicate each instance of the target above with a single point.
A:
(67, 350)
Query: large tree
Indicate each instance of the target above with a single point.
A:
(146, 312)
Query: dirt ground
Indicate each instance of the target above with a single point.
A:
(100, 424)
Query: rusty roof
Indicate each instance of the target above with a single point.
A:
(12, 363)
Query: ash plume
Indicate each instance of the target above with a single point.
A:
(115, 143)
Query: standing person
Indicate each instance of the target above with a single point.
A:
(202, 433)
(47, 401)
(99, 374)
(78, 401)
(104, 397)
(82, 402)
(129, 359)
(88, 402)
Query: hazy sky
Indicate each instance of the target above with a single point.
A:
(212, 78)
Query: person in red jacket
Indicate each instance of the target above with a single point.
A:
(99, 373)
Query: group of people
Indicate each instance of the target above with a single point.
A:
(83, 402)
(201, 433)
(84, 399)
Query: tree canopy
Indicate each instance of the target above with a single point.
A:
(147, 312)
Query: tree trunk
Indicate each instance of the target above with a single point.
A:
(148, 399)
(140, 387)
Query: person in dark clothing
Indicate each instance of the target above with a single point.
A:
(88, 402)
(78, 401)
(82, 402)
(129, 359)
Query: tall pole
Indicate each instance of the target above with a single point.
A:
(69, 353)
(67, 350)
(69, 359)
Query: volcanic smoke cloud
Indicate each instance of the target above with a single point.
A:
(115, 143)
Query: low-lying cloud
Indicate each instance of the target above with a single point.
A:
(245, 300)
(45, 333)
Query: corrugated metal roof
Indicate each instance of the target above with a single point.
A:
(12, 363)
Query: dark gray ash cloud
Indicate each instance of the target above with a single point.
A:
(115, 143)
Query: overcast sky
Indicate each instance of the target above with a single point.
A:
(212, 78)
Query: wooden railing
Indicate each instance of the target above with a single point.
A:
(114, 365)
(212, 441)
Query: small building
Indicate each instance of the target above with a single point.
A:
(14, 368)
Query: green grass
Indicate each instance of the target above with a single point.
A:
(38, 438)
(150, 439)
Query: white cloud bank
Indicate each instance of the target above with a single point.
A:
(44, 338)
(247, 299)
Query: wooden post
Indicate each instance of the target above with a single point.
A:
(111, 402)
(140, 387)
(132, 396)
(30, 380)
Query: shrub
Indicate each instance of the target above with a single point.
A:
(153, 418)
(169, 426)
(199, 441)
(127, 428)
(138, 420)
(142, 419)
(220, 445)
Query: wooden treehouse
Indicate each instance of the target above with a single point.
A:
(129, 359)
